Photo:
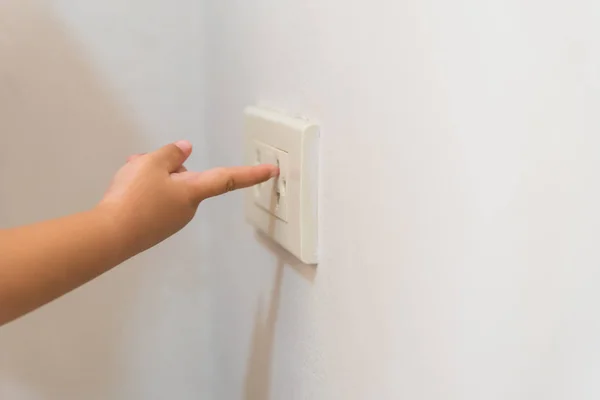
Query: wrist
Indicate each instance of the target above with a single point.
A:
(113, 221)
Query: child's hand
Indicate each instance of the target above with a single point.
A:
(153, 196)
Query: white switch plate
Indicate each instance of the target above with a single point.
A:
(285, 209)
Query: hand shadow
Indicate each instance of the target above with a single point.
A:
(62, 136)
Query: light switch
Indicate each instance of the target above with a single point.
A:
(285, 209)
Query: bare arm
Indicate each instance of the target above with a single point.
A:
(151, 198)
(39, 263)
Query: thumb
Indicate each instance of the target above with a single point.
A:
(219, 181)
(172, 156)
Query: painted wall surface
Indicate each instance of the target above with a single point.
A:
(459, 192)
(82, 85)
(459, 200)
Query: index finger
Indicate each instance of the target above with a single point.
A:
(219, 181)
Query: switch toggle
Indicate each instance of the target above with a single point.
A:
(271, 195)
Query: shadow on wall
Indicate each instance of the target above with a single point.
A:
(258, 372)
(61, 137)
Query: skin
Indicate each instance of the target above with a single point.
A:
(151, 198)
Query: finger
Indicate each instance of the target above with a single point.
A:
(172, 156)
(181, 170)
(222, 180)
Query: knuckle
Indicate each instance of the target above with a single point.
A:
(230, 185)
(227, 180)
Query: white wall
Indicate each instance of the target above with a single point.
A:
(458, 198)
(459, 193)
(82, 85)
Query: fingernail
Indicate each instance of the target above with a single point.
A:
(184, 145)
(275, 172)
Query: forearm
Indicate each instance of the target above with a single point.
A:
(152, 197)
(41, 262)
